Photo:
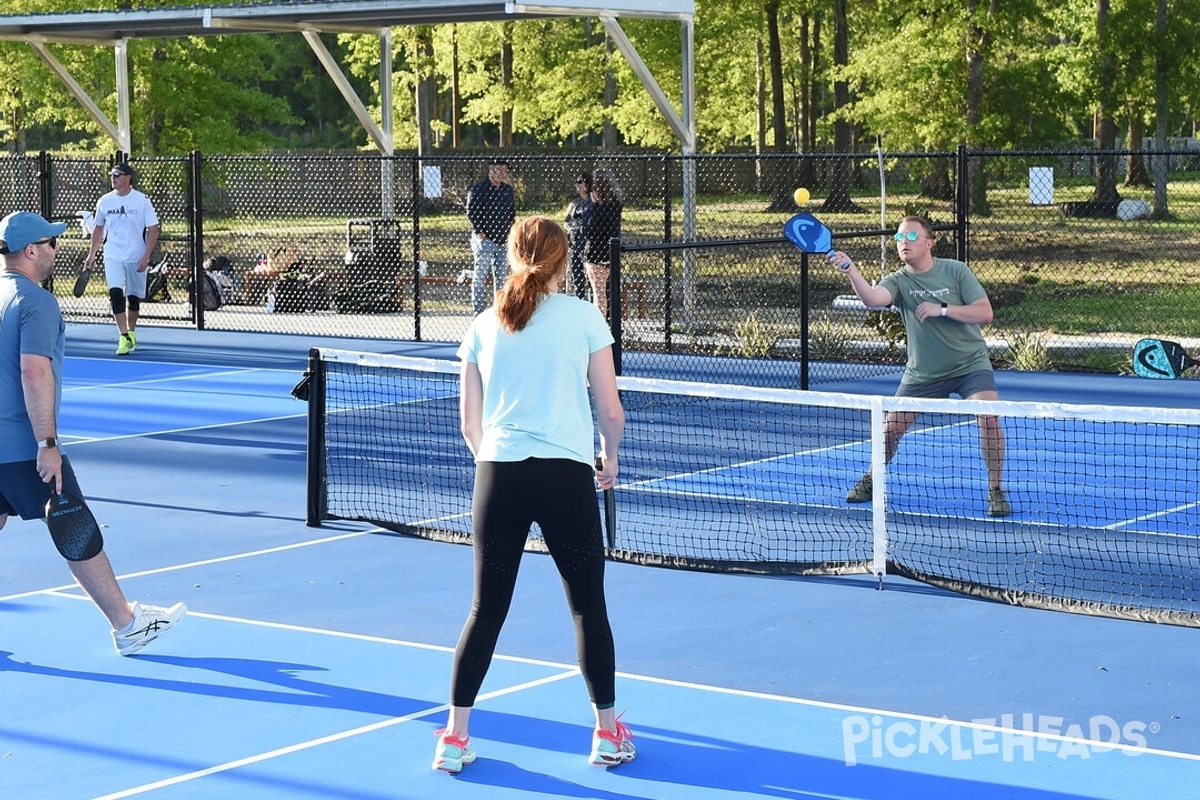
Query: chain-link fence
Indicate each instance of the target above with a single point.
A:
(366, 246)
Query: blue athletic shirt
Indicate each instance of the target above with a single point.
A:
(535, 392)
(30, 323)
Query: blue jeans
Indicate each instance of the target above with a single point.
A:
(491, 258)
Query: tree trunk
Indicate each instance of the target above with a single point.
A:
(937, 185)
(426, 90)
(806, 129)
(978, 41)
(506, 78)
(1162, 110)
(838, 197)
(15, 141)
(781, 179)
(1135, 165)
(813, 88)
(455, 93)
(1105, 192)
(760, 109)
(609, 136)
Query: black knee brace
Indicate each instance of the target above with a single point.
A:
(117, 298)
(135, 303)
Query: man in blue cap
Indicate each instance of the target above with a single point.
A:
(33, 467)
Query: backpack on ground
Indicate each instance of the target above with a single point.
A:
(210, 292)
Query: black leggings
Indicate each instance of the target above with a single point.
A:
(560, 496)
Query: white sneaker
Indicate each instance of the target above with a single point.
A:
(149, 622)
(452, 753)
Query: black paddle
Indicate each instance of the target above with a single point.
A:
(81, 283)
(610, 510)
(70, 521)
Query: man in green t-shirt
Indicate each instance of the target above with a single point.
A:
(942, 304)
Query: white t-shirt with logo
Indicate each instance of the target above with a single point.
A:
(125, 220)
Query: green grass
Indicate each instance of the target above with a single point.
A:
(1101, 279)
(1098, 309)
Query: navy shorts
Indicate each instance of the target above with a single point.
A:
(981, 380)
(22, 491)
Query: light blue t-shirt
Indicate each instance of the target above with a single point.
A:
(535, 392)
(30, 323)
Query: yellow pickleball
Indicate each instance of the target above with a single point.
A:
(800, 196)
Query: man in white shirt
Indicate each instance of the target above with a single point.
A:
(127, 226)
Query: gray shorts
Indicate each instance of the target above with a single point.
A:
(124, 275)
(22, 491)
(981, 380)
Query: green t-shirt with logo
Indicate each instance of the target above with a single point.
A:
(940, 347)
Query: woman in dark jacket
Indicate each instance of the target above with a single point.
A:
(604, 224)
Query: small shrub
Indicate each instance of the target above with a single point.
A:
(1027, 351)
(890, 325)
(828, 342)
(754, 341)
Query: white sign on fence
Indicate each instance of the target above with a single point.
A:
(432, 177)
(1041, 186)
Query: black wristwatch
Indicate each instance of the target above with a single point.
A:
(45, 444)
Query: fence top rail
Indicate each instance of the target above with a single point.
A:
(765, 240)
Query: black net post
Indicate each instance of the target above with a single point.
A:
(315, 457)
(614, 298)
(195, 217)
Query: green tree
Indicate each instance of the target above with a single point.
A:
(959, 71)
(212, 93)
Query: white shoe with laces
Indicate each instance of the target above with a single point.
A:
(149, 622)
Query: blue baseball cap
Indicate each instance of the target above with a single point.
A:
(22, 228)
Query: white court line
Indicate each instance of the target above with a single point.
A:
(812, 451)
(335, 737)
(166, 379)
(202, 563)
(358, 637)
(566, 671)
(648, 486)
(190, 364)
(571, 671)
(971, 725)
(72, 441)
(1155, 515)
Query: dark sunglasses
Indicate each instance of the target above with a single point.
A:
(910, 235)
(116, 175)
(52, 241)
(581, 183)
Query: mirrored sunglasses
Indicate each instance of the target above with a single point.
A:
(910, 235)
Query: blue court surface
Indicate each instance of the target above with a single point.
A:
(315, 662)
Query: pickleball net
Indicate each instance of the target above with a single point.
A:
(1106, 514)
